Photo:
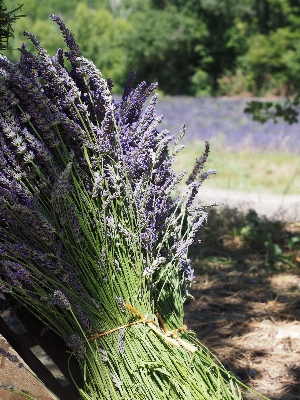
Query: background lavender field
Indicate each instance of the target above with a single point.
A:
(207, 118)
(248, 156)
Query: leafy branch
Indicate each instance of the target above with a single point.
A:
(263, 111)
(7, 18)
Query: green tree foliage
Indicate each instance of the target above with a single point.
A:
(263, 111)
(270, 62)
(99, 35)
(196, 47)
(7, 18)
(226, 39)
(165, 46)
(101, 38)
(37, 20)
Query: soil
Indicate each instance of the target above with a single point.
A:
(249, 315)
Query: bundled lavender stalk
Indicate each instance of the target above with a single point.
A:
(91, 240)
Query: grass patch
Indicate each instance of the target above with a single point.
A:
(246, 169)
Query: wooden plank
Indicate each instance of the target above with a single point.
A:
(27, 340)
(20, 378)
(33, 362)
(57, 350)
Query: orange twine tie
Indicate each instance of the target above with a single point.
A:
(170, 336)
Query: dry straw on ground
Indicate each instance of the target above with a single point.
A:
(250, 316)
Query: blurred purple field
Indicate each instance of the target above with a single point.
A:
(207, 118)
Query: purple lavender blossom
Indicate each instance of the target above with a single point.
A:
(121, 346)
(69, 39)
(59, 299)
(121, 304)
(77, 345)
(73, 220)
(81, 173)
(84, 319)
(15, 273)
(7, 387)
(116, 380)
(11, 357)
(104, 356)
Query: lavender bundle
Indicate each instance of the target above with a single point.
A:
(91, 240)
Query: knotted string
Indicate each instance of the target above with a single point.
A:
(170, 336)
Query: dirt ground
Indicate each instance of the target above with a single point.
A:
(249, 316)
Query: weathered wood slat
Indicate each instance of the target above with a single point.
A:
(55, 347)
(27, 340)
(33, 362)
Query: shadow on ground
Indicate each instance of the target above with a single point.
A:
(247, 304)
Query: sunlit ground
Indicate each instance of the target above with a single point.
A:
(246, 299)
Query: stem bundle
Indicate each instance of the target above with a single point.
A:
(91, 240)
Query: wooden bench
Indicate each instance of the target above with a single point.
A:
(53, 346)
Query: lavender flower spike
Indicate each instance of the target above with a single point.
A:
(60, 300)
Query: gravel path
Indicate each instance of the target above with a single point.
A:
(283, 207)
